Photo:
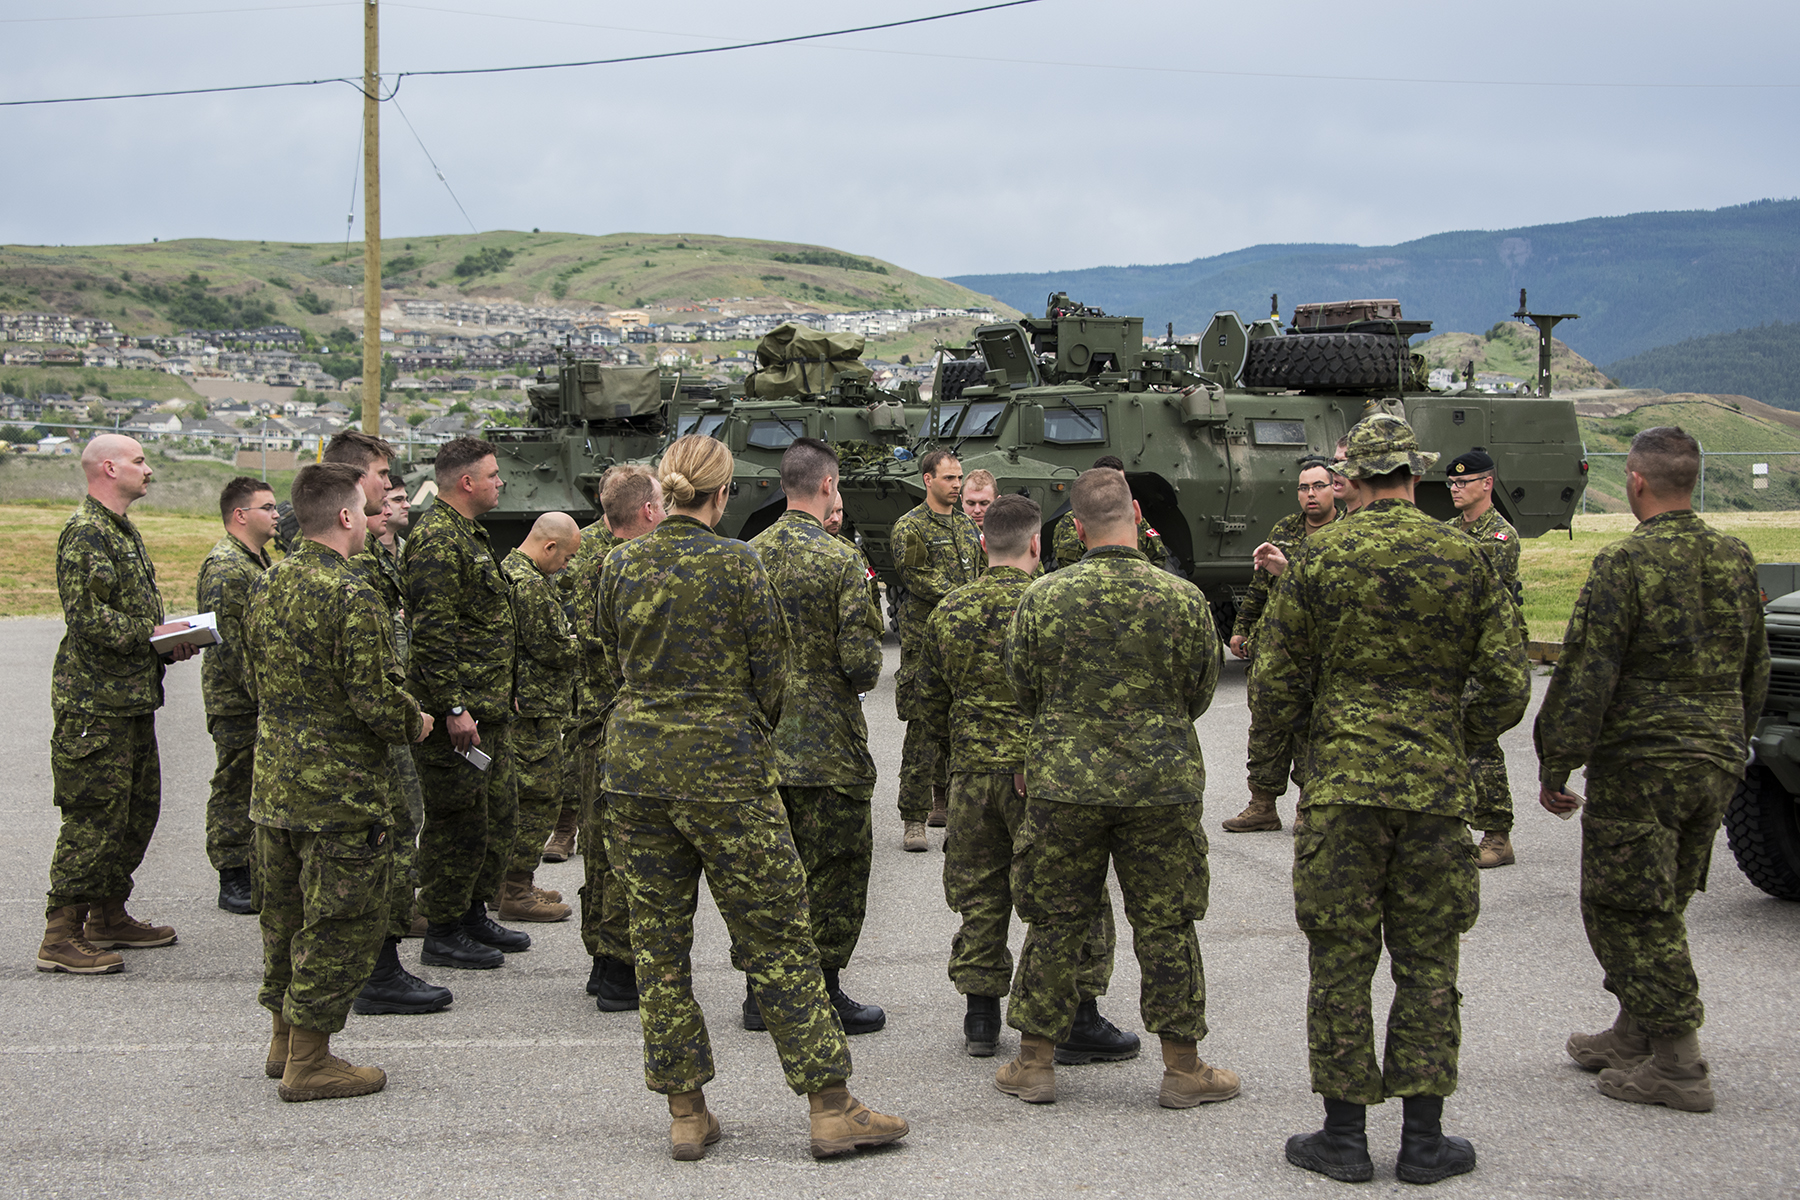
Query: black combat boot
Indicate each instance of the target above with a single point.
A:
(1095, 1039)
(394, 989)
(752, 1010)
(1340, 1150)
(1427, 1154)
(484, 929)
(449, 945)
(857, 1018)
(234, 891)
(981, 1026)
(618, 991)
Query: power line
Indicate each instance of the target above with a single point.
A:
(434, 166)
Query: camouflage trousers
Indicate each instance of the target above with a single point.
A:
(924, 764)
(834, 835)
(605, 914)
(1270, 757)
(107, 779)
(537, 754)
(1362, 874)
(406, 806)
(985, 813)
(1646, 846)
(324, 913)
(471, 818)
(229, 832)
(1060, 856)
(746, 851)
(1493, 812)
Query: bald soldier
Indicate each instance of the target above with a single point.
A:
(105, 689)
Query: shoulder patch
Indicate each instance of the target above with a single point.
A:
(1500, 535)
(1151, 531)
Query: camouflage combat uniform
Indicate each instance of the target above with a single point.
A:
(1067, 547)
(1115, 659)
(462, 653)
(932, 555)
(547, 658)
(970, 706)
(322, 666)
(226, 577)
(696, 647)
(1365, 651)
(822, 759)
(1663, 673)
(869, 573)
(605, 916)
(105, 688)
(1493, 811)
(379, 567)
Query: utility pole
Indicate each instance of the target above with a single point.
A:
(371, 413)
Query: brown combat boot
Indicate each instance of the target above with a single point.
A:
(912, 836)
(65, 949)
(562, 838)
(1496, 851)
(547, 895)
(940, 808)
(1622, 1047)
(314, 1073)
(842, 1123)
(520, 902)
(691, 1127)
(1674, 1075)
(1031, 1076)
(110, 927)
(1259, 817)
(1187, 1081)
(275, 1062)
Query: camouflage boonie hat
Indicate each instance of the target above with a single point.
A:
(1384, 443)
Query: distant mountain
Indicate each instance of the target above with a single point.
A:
(1638, 281)
(1763, 362)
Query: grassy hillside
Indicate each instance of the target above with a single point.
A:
(156, 288)
(1510, 348)
(112, 383)
(1638, 281)
(1722, 424)
(1763, 362)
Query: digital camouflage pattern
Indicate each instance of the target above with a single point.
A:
(1285, 535)
(580, 583)
(874, 583)
(753, 874)
(229, 830)
(696, 648)
(835, 838)
(227, 575)
(933, 555)
(1116, 659)
(471, 821)
(324, 914)
(537, 759)
(1067, 547)
(379, 567)
(1363, 873)
(107, 778)
(1665, 669)
(462, 620)
(548, 662)
(1500, 541)
(605, 910)
(965, 693)
(605, 918)
(1373, 633)
(1493, 810)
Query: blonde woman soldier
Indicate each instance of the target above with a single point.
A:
(696, 648)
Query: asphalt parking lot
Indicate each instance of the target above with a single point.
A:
(150, 1082)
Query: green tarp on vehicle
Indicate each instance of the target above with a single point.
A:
(796, 361)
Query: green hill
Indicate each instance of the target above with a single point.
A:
(1763, 362)
(1723, 424)
(205, 283)
(1510, 348)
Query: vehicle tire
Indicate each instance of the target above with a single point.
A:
(956, 375)
(1310, 361)
(1762, 824)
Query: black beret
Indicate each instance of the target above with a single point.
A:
(1475, 462)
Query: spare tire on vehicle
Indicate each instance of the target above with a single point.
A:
(1314, 361)
(956, 374)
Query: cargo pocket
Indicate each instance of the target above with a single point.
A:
(83, 763)
(1628, 865)
(349, 873)
(1197, 887)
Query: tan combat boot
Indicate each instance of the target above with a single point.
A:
(562, 838)
(519, 902)
(1496, 851)
(547, 895)
(314, 1073)
(691, 1127)
(1187, 1081)
(1259, 817)
(1031, 1076)
(65, 949)
(110, 927)
(842, 1123)
(1622, 1047)
(275, 1062)
(1674, 1075)
(912, 836)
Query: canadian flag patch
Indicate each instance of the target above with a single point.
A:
(1499, 537)
(870, 570)
(1151, 531)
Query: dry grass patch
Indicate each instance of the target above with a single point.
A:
(178, 542)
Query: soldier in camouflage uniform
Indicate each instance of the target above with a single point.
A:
(1664, 670)
(462, 671)
(1271, 755)
(1065, 544)
(390, 546)
(834, 525)
(696, 649)
(1470, 478)
(822, 759)
(1364, 657)
(248, 509)
(979, 492)
(1114, 659)
(106, 686)
(548, 659)
(936, 548)
(969, 702)
(321, 659)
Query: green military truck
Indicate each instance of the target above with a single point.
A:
(1762, 823)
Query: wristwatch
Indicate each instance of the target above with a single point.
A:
(457, 710)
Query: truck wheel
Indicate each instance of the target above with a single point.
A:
(1764, 832)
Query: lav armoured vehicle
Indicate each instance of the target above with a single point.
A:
(1762, 823)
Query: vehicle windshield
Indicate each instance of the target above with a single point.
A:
(776, 433)
(946, 421)
(703, 423)
(983, 419)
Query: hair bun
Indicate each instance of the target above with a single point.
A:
(678, 487)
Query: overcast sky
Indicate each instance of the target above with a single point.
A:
(1060, 134)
